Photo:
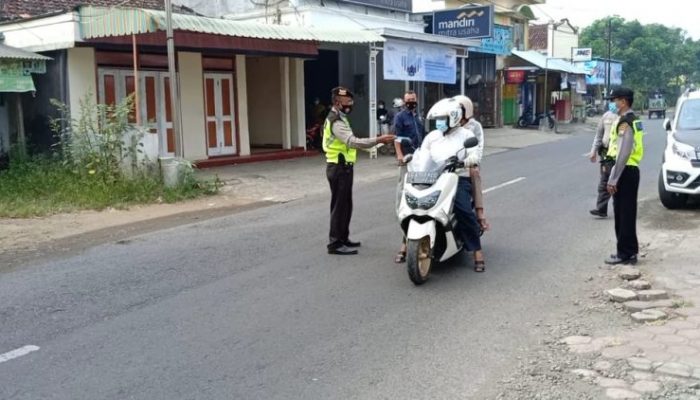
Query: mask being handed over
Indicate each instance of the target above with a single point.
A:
(612, 107)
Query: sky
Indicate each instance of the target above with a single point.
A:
(676, 13)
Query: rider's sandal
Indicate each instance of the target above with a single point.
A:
(479, 265)
(400, 257)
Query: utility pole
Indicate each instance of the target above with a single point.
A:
(174, 93)
(607, 62)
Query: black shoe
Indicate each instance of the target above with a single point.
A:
(342, 250)
(350, 243)
(614, 259)
(598, 213)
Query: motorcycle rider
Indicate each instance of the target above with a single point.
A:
(443, 143)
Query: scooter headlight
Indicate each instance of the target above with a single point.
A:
(423, 203)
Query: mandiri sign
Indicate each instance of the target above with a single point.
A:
(465, 23)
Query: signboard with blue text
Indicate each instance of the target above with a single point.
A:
(396, 5)
(412, 61)
(464, 23)
(597, 71)
(501, 43)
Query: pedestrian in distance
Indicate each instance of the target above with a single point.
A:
(340, 146)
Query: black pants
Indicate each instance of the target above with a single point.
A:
(467, 224)
(625, 206)
(603, 194)
(340, 178)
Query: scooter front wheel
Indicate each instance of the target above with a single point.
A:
(418, 260)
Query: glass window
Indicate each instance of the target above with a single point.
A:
(689, 117)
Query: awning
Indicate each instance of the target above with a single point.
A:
(428, 38)
(13, 53)
(552, 64)
(99, 22)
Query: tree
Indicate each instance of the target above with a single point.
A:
(654, 56)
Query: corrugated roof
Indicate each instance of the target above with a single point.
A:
(96, 22)
(428, 38)
(553, 64)
(13, 53)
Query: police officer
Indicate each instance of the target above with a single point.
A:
(340, 144)
(601, 143)
(627, 149)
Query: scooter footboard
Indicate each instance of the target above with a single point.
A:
(418, 230)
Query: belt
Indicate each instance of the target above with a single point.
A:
(344, 164)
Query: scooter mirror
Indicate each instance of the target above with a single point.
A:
(471, 142)
(667, 125)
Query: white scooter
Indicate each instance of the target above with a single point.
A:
(426, 212)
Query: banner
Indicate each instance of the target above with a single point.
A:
(409, 61)
(465, 23)
(597, 71)
(501, 43)
(14, 77)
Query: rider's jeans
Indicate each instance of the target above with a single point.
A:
(467, 225)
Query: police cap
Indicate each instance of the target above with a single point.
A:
(621, 93)
(342, 91)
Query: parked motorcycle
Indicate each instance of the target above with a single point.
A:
(528, 119)
(313, 137)
(426, 212)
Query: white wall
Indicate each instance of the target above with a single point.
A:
(563, 40)
(264, 85)
(82, 77)
(298, 105)
(45, 34)
(192, 101)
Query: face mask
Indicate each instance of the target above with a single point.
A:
(612, 107)
(381, 106)
(441, 125)
(347, 110)
(411, 105)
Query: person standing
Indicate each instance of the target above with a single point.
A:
(408, 127)
(627, 148)
(340, 144)
(601, 142)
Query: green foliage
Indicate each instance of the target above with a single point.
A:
(89, 168)
(654, 56)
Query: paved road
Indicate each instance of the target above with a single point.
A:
(249, 306)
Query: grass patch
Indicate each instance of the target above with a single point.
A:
(43, 187)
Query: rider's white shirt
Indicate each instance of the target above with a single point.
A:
(443, 146)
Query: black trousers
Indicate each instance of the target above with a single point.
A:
(603, 194)
(625, 206)
(340, 178)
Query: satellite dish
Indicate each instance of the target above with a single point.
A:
(474, 79)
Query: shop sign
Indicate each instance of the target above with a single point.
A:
(465, 23)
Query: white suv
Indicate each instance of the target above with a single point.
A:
(680, 172)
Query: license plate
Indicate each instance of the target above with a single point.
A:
(423, 178)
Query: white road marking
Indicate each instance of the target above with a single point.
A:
(502, 185)
(22, 351)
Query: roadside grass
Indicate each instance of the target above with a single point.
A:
(43, 187)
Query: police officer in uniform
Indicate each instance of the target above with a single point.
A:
(340, 144)
(627, 149)
(601, 143)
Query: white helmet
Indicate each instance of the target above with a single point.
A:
(467, 105)
(447, 108)
(398, 103)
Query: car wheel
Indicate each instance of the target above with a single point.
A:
(670, 200)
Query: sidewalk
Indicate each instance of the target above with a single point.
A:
(244, 185)
(660, 357)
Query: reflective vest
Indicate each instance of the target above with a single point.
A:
(334, 147)
(637, 131)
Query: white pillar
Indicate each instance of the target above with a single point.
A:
(286, 114)
(298, 103)
(82, 76)
(463, 76)
(373, 97)
(194, 144)
(242, 101)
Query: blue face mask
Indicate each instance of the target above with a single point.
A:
(441, 125)
(612, 107)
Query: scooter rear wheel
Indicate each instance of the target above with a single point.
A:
(418, 260)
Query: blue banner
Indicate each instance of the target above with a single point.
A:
(501, 43)
(413, 61)
(597, 71)
(465, 23)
